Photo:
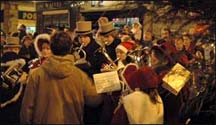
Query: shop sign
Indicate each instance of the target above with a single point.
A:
(43, 6)
(27, 15)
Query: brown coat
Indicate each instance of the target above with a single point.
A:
(56, 93)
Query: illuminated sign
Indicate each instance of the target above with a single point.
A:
(55, 5)
(27, 15)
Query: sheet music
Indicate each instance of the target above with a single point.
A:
(107, 82)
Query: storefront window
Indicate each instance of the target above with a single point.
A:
(47, 20)
(59, 20)
(31, 29)
(120, 22)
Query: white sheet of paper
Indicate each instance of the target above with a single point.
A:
(107, 82)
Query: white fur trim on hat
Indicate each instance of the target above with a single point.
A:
(40, 36)
(122, 48)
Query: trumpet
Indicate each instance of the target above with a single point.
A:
(80, 55)
(111, 65)
(141, 56)
(11, 76)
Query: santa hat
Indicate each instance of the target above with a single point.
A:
(143, 78)
(38, 45)
(125, 46)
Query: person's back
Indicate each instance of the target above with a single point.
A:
(56, 91)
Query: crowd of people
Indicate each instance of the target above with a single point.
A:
(59, 86)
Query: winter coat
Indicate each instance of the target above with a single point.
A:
(9, 113)
(150, 113)
(56, 93)
(27, 54)
(181, 57)
(172, 103)
(94, 66)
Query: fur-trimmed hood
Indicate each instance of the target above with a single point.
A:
(40, 36)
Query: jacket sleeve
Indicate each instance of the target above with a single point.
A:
(90, 95)
(28, 102)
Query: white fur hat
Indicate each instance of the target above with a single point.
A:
(36, 42)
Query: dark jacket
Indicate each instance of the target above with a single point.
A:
(172, 103)
(10, 113)
(94, 66)
(110, 49)
(27, 54)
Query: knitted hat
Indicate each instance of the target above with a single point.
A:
(39, 40)
(12, 42)
(143, 78)
(84, 27)
(125, 46)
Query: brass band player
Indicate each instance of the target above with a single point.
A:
(88, 47)
(110, 41)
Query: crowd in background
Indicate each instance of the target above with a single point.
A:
(59, 68)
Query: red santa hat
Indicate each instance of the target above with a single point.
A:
(125, 46)
(143, 78)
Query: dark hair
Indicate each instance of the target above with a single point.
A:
(61, 43)
(153, 93)
(23, 26)
(41, 42)
(15, 34)
(25, 38)
(35, 34)
(159, 53)
(90, 35)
